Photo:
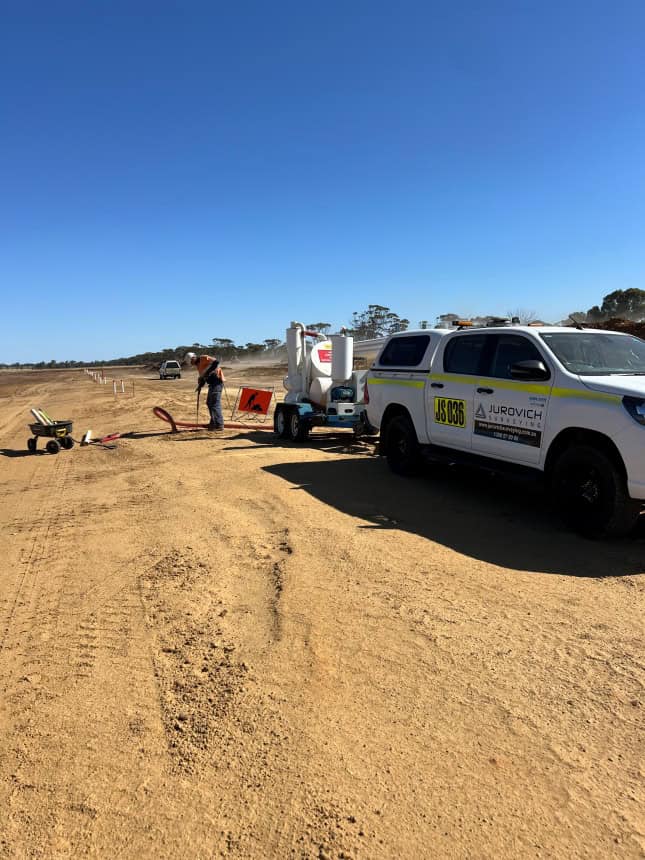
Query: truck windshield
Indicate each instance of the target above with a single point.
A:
(603, 354)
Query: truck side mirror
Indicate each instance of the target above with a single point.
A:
(531, 369)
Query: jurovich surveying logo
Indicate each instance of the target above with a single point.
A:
(519, 424)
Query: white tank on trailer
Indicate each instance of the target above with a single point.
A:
(309, 369)
(322, 388)
(342, 358)
(321, 359)
(320, 370)
(293, 381)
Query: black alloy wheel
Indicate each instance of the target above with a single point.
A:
(402, 447)
(590, 493)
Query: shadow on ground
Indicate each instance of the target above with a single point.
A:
(342, 442)
(149, 434)
(483, 517)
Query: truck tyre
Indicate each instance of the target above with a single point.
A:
(402, 447)
(280, 422)
(298, 430)
(590, 493)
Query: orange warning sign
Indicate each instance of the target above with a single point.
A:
(255, 400)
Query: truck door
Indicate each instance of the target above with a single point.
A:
(399, 376)
(510, 414)
(451, 389)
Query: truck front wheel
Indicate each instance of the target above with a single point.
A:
(402, 447)
(591, 494)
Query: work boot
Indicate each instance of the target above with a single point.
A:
(211, 426)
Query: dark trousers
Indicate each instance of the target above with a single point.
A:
(214, 403)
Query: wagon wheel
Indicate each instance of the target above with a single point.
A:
(31, 445)
(53, 446)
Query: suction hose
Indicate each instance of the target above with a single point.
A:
(161, 413)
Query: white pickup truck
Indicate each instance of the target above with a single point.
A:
(566, 403)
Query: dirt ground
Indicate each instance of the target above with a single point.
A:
(223, 646)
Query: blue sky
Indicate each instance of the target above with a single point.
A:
(172, 172)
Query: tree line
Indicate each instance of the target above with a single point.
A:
(619, 304)
(375, 321)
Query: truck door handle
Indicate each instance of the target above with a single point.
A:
(436, 385)
(485, 391)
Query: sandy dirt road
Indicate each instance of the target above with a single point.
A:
(219, 646)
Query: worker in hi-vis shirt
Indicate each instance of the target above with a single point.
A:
(210, 373)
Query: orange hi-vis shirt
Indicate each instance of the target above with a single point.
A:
(204, 362)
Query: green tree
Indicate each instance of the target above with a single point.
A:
(224, 347)
(322, 327)
(376, 321)
(627, 304)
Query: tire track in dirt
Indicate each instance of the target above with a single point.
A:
(74, 650)
(27, 674)
(197, 674)
(42, 527)
(16, 405)
(224, 725)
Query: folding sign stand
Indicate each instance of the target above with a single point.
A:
(252, 404)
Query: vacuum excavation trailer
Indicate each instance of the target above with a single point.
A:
(323, 389)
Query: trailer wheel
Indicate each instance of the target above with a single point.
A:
(31, 445)
(67, 442)
(591, 494)
(53, 446)
(402, 448)
(280, 421)
(298, 430)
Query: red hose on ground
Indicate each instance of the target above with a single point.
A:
(161, 413)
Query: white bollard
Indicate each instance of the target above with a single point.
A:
(122, 387)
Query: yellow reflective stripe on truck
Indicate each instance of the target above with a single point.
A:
(528, 387)
(453, 377)
(408, 383)
(586, 395)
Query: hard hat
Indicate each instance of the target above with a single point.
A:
(190, 356)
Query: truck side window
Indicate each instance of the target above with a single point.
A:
(405, 351)
(464, 354)
(510, 349)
